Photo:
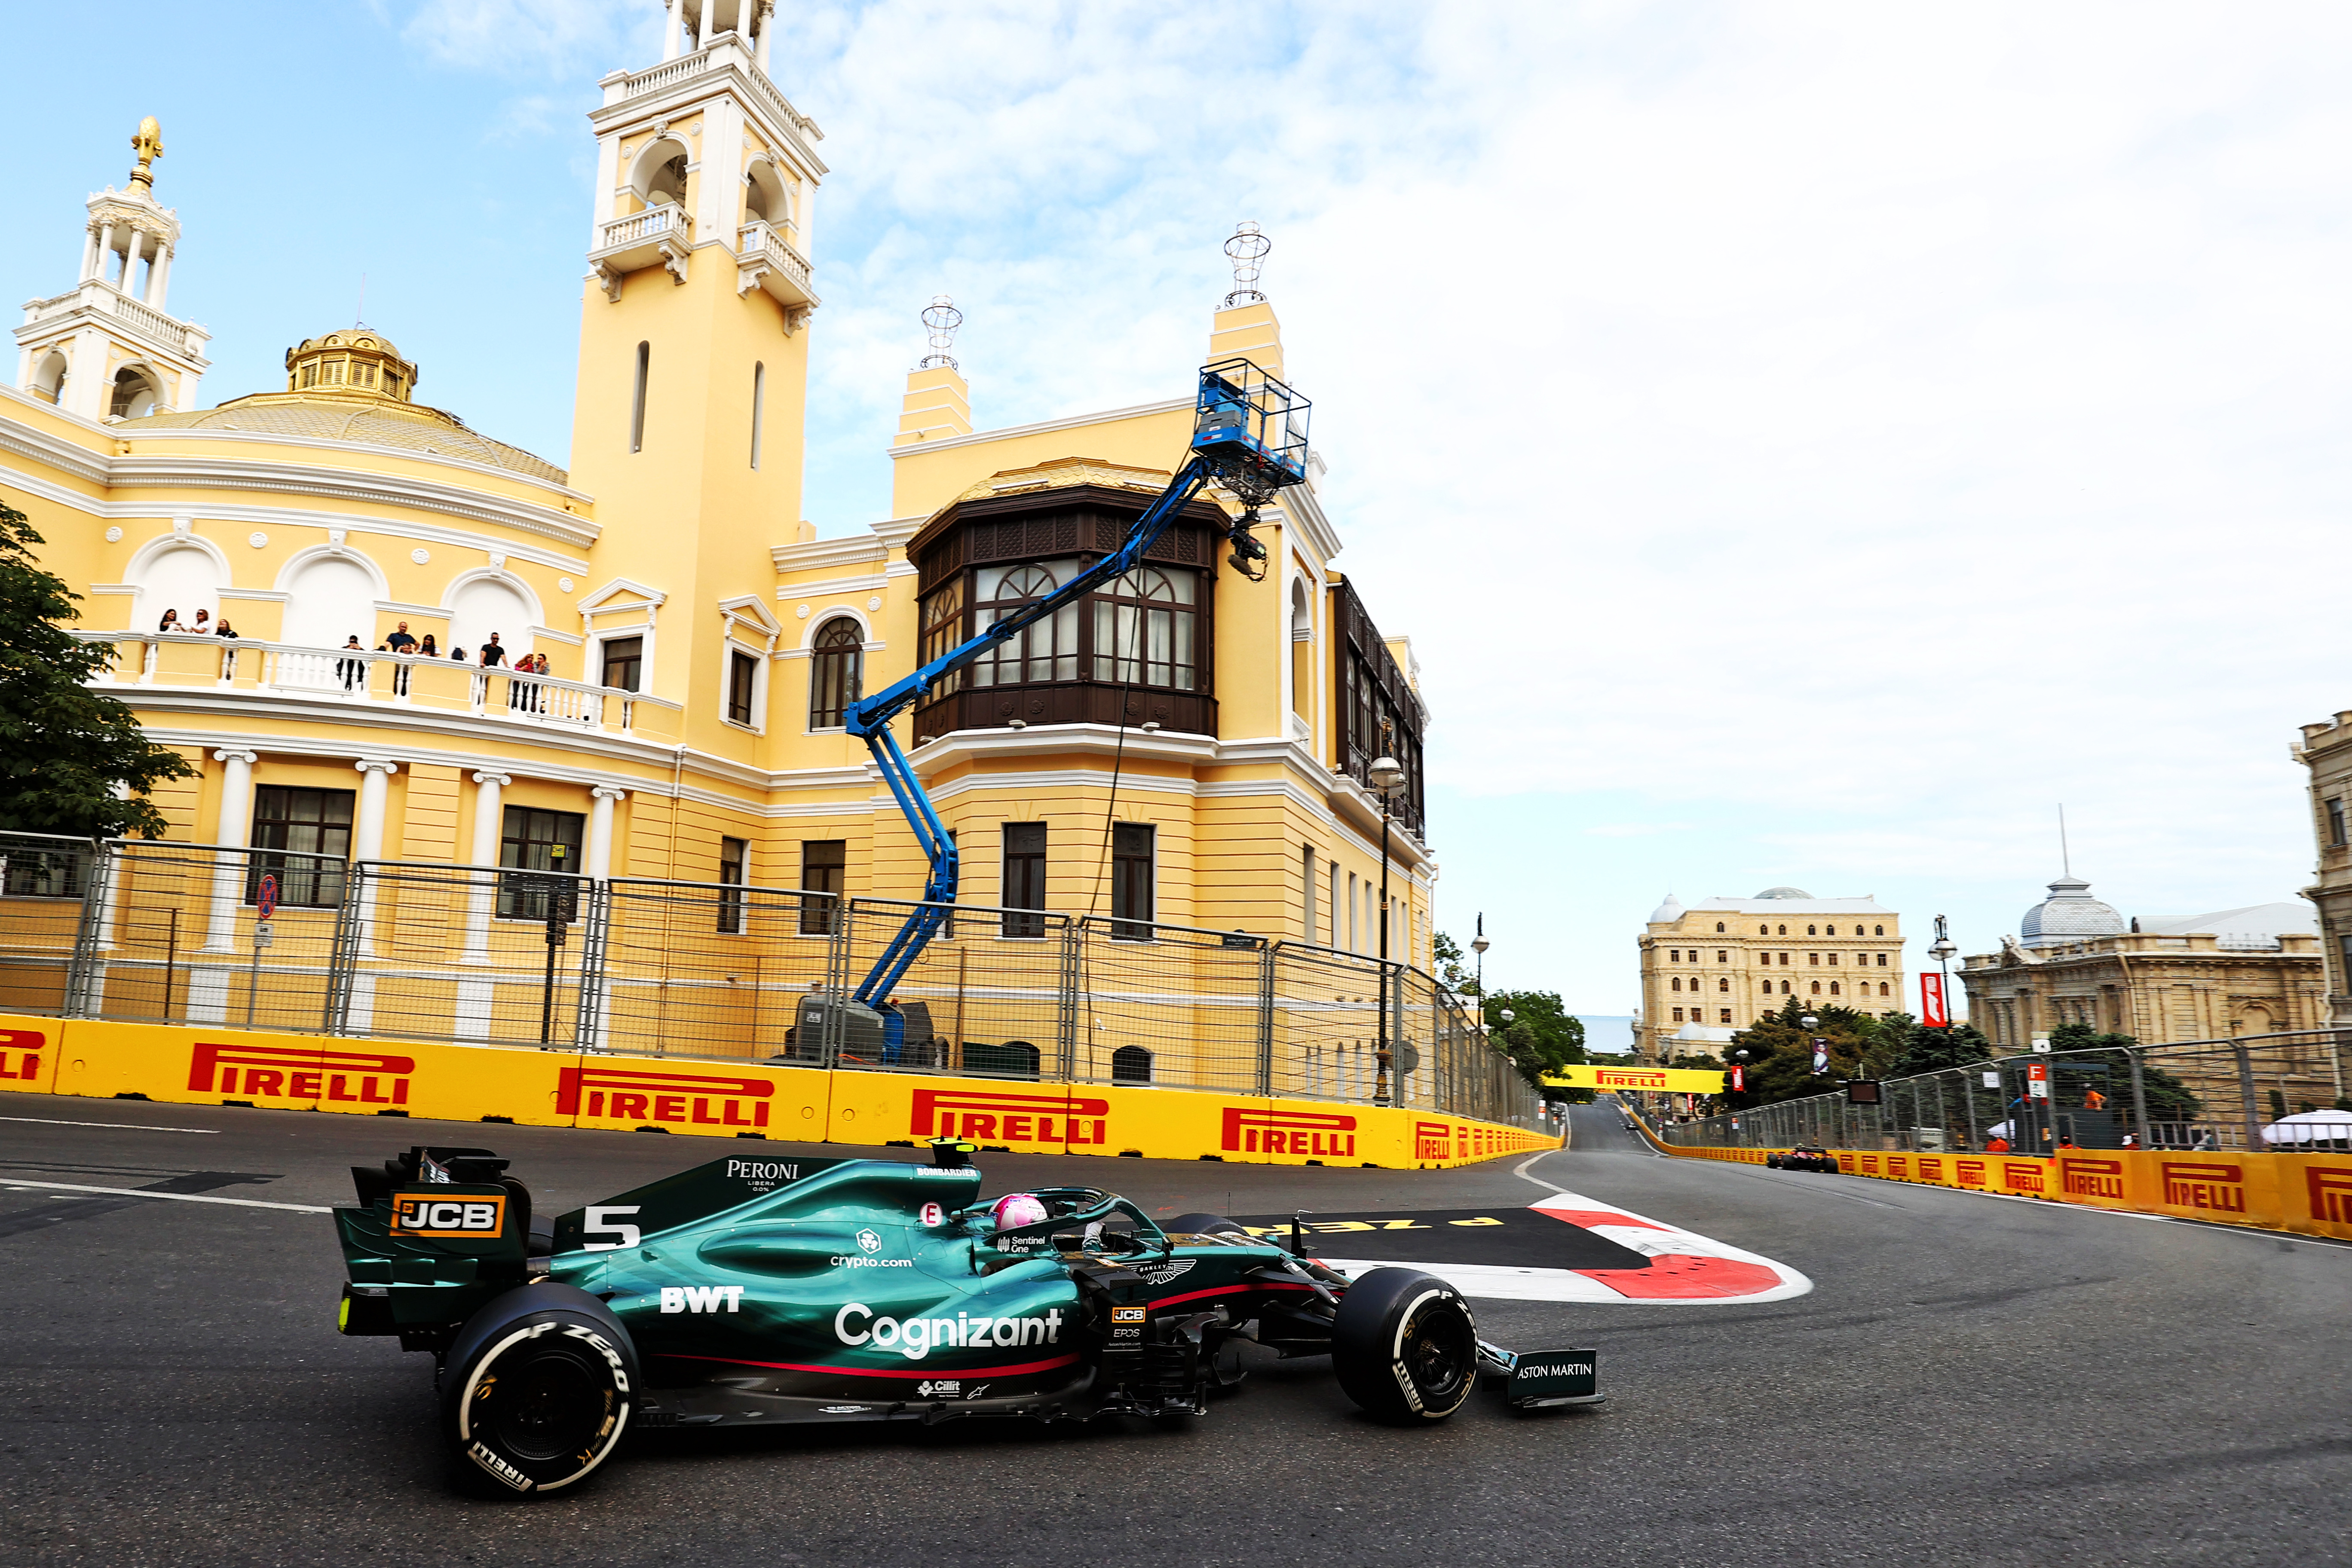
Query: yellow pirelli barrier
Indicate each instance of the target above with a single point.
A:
(208, 1066)
(2309, 1194)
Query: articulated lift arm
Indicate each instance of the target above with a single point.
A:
(1249, 435)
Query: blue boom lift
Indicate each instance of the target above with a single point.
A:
(1249, 436)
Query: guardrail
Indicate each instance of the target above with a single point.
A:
(167, 932)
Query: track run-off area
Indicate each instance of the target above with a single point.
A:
(1907, 1375)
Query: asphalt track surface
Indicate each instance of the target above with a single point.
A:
(1971, 1381)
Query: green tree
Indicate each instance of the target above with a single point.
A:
(63, 747)
(1454, 968)
(1542, 1036)
(1917, 1048)
(1780, 1064)
(2169, 1098)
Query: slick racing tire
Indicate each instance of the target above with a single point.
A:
(537, 1389)
(1773, 1163)
(1204, 1224)
(1406, 1346)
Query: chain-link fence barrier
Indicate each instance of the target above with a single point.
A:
(162, 931)
(2277, 1092)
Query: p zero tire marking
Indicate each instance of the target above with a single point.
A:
(482, 1375)
(1396, 1347)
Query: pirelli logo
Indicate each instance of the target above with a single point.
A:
(2213, 1184)
(679, 1099)
(300, 1072)
(1433, 1140)
(1899, 1167)
(428, 1215)
(1930, 1170)
(2092, 1178)
(2024, 1176)
(2331, 1192)
(20, 1053)
(1250, 1131)
(980, 1115)
(1629, 1078)
(1971, 1172)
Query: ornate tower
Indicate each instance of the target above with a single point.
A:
(693, 344)
(106, 349)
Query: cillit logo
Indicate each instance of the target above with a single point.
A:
(2203, 1184)
(298, 1072)
(685, 1099)
(702, 1297)
(422, 1214)
(2331, 1192)
(1289, 1133)
(20, 1053)
(2092, 1178)
(1066, 1118)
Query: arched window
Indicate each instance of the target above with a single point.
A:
(1881, 931)
(134, 394)
(1723, 984)
(49, 378)
(1817, 987)
(1833, 988)
(1144, 630)
(1046, 651)
(1675, 984)
(1784, 988)
(1130, 1064)
(1784, 930)
(1013, 1058)
(1718, 928)
(331, 597)
(1811, 931)
(638, 400)
(1767, 988)
(1882, 988)
(836, 672)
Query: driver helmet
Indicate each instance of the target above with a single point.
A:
(1015, 1210)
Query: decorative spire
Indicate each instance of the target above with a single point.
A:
(942, 319)
(149, 144)
(1248, 248)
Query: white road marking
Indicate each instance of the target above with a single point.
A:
(172, 1197)
(124, 1126)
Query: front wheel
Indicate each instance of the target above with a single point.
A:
(1406, 1346)
(539, 1388)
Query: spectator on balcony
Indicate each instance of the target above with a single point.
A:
(426, 648)
(458, 654)
(400, 643)
(492, 653)
(200, 628)
(170, 623)
(352, 671)
(221, 628)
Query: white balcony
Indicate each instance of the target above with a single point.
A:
(660, 236)
(141, 321)
(765, 259)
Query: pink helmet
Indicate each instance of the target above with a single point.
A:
(1017, 1209)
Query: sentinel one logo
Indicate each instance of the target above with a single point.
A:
(685, 1099)
(2093, 1178)
(2205, 1185)
(1068, 1119)
(1289, 1133)
(856, 1324)
(299, 1072)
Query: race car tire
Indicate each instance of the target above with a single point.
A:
(537, 1389)
(1773, 1163)
(1405, 1347)
(1204, 1224)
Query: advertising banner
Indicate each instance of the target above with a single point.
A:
(28, 1052)
(1933, 1012)
(1607, 1079)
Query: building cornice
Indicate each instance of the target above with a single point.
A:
(1043, 427)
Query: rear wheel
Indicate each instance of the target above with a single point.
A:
(1406, 1346)
(1772, 1161)
(538, 1389)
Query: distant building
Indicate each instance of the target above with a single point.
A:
(2326, 750)
(2249, 971)
(1715, 967)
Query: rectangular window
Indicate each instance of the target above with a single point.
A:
(1678, 1015)
(637, 402)
(1833, 960)
(1725, 1013)
(1131, 846)
(1354, 915)
(824, 863)
(1307, 911)
(735, 872)
(1024, 877)
(759, 406)
(45, 873)
(305, 822)
(624, 659)
(1331, 911)
(2336, 823)
(742, 678)
(536, 840)
(1882, 961)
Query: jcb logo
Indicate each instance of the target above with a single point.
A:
(1289, 1133)
(2205, 1184)
(423, 1214)
(686, 1099)
(20, 1053)
(1068, 1119)
(267, 1072)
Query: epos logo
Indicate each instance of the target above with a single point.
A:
(20, 1053)
(2205, 1184)
(2331, 1192)
(423, 1214)
(2092, 1178)
(298, 1072)
(1289, 1133)
(688, 1098)
(1066, 1118)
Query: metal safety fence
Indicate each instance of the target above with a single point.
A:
(2277, 1092)
(169, 932)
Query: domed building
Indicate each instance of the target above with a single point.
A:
(2068, 914)
(1714, 968)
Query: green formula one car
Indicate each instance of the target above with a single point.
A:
(750, 1291)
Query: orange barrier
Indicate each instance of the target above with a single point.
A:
(208, 1066)
(2308, 1193)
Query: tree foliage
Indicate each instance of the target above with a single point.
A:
(1780, 1064)
(1542, 1036)
(1455, 970)
(2169, 1098)
(63, 747)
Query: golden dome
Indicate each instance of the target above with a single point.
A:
(355, 361)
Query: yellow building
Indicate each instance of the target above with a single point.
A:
(1714, 968)
(1190, 747)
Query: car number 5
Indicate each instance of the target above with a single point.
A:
(600, 1223)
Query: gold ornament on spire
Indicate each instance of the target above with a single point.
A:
(149, 144)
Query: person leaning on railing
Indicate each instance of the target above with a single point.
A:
(400, 643)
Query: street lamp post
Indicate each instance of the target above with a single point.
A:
(1942, 952)
(1387, 778)
(1479, 945)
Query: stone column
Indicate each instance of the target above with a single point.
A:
(669, 32)
(599, 858)
(702, 29)
(158, 276)
(105, 247)
(473, 1016)
(367, 844)
(232, 827)
(766, 10)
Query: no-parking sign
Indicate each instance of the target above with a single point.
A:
(265, 896)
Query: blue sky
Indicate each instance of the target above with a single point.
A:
(1806, 443)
